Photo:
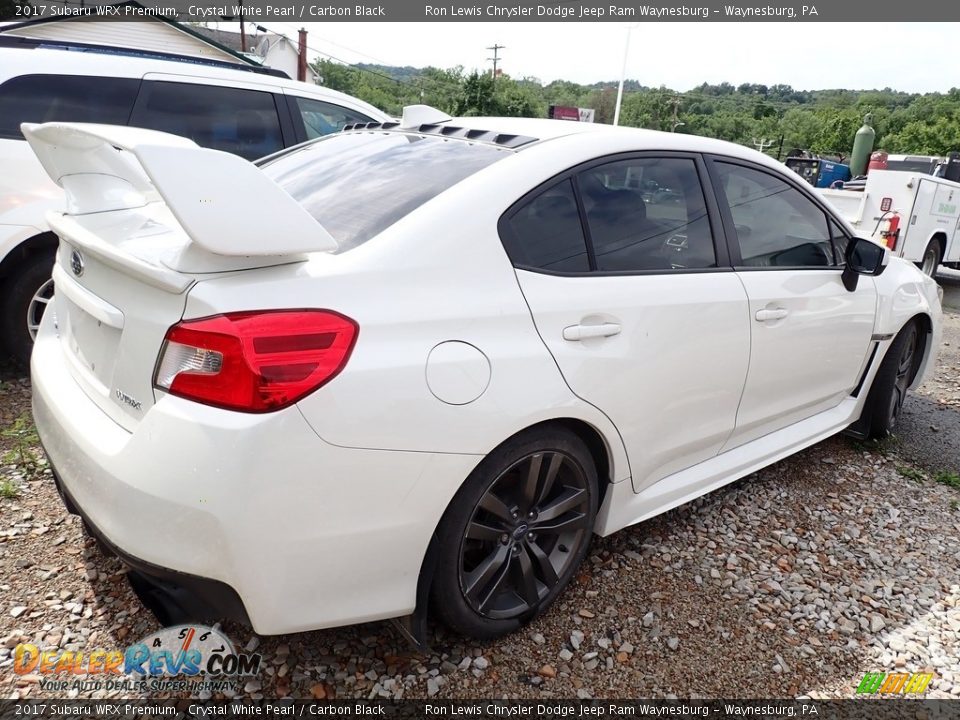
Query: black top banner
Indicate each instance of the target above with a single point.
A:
(482, 11)
(552, 709)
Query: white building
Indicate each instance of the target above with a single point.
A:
(265, 48)
(160, 35)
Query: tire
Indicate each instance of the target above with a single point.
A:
(897, 371)
(26, 280)
(516, 560)
(931, 259)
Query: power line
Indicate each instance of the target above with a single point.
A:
(377, 60)
(496, 49)
(341, 61)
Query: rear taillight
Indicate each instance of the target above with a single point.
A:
(255, 361)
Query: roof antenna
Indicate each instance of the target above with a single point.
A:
(416, 115)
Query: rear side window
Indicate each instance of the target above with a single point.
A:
(322, 118)
(64, 98)
(238, 121)
(647, 214)
(546, 233)
(358, 184)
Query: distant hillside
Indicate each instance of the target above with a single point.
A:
(824, 121)
(404, 74)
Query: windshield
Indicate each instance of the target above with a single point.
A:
(358, 184)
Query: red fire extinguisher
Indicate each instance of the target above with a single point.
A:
(890, 230)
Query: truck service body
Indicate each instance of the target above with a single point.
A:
(928, 208)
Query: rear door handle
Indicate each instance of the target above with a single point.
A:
(575, 333)
(775, 314)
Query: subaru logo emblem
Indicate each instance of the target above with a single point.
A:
(76, 263)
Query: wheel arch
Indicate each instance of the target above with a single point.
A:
(926, 327)
(414, 626)
(35, 245)
(941, 236)
(925, 322)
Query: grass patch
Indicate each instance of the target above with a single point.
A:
(9, 490)
(884, 446)
(24, 436)
(911, 474)
(948, 478)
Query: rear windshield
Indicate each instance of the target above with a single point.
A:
(358, 184)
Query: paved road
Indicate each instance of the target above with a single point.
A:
(950, 280)
(917, 440)
(929, 431)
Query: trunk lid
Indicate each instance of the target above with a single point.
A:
(117, 294)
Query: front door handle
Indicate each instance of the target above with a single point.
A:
(774, 314)
(584, 332)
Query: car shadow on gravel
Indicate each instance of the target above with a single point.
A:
(11, 371)
(928, 433)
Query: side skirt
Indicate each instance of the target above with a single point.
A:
(623, 507)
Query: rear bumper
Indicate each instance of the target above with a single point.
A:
(306, 534)
(174, 597)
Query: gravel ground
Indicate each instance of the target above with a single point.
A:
(791, 582)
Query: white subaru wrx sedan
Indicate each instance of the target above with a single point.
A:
(422, 362)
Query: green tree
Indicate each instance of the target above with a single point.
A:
(477, 96)
(823, 121)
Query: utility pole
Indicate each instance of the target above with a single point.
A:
(302, 56)
(762, 144)
(676, 108)
(623, 74)
(243, 34)
(496, 58)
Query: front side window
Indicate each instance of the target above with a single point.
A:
(322, 118)
(238, 121)
(647, 214)
(64, 98)
(777, 226)
(840, 242)
(358, 184)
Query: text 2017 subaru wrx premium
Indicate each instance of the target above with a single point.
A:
(427, 360)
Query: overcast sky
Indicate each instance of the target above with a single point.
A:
(916, 57)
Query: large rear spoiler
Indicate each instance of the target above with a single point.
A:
(225, 204)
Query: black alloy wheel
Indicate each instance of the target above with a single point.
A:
(893, 379)
(518, 542)
(514, 534)
(905, 371)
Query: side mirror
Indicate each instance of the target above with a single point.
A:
(863, 257)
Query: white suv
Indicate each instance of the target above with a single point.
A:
(247, 111)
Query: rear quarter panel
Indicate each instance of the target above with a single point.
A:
(438, 275)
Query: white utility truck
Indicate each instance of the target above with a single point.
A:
(915, 215)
